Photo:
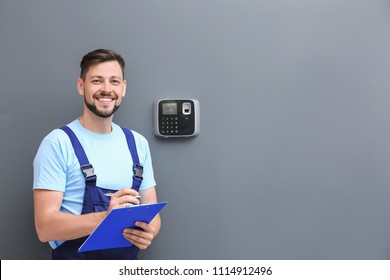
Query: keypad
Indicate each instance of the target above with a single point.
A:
(169, 125)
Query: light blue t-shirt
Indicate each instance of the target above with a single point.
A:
(56, 166)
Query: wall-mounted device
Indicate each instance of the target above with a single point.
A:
(176, 117)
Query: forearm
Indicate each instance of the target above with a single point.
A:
(65, 226)
(150, 196)
(156, 223)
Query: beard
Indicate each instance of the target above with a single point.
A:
(97, 112)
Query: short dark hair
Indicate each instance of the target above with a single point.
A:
(99, 56)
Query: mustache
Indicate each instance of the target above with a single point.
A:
(105, 94)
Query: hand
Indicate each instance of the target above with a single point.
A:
(142, 238)
(122, 198)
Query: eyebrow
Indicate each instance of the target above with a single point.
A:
(100, 77)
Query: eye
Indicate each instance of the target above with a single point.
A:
(96, 81)
(115, 82)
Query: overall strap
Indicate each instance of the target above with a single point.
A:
(137, 167)
(86, 167)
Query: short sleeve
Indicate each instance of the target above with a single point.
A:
(49, 166)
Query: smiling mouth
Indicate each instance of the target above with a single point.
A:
(105, 99)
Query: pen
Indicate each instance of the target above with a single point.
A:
(111, 194)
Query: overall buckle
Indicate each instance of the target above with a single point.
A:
(138, 170)
(88, 171)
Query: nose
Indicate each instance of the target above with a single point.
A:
(106, 87)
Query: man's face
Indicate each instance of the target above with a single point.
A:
(103, 88)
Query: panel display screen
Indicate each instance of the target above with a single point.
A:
(169, 108)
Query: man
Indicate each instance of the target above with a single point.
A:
(76, 166)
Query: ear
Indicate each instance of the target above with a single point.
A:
(80, 86)
(124, 88)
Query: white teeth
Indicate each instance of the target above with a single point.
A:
(104, 99)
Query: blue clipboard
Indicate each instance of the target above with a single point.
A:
(108, 233)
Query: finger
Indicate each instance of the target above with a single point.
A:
(130, 199)
(139, 238)
(140, 233)
(125, 191)
(141, 246)
(136, 232)
(124, 200)
(144, 226)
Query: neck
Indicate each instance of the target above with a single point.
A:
(96, 124)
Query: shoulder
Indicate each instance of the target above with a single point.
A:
(53, 151)
(57, 139)
(56, 136)
(139, 137)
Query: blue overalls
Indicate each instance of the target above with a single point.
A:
(95, 200)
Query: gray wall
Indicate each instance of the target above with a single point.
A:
(293, 156)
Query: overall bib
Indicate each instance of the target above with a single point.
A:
(95, 200)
